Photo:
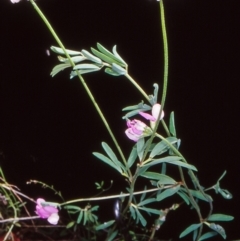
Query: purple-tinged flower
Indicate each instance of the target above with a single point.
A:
(137, 129)
(155, 112)
(48, 212)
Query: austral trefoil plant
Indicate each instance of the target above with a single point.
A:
(155, 147)
(152, 149)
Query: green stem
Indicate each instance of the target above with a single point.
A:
(113, 196)
(165, 77)
(137, 86)
(165, 127)
(18, 219)
(165, 82)
(105, 122)
(165, 50)
(83, 82)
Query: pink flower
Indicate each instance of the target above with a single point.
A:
(137, 129)
(155, 112)
(46, 211)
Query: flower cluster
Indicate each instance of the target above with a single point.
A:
(137, 129)
(46, 211)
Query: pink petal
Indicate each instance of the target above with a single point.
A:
(147, 116)
(53, 219)
(40, 200)
(155, 111)
(42, 213)
(131, 135)
(50, 209)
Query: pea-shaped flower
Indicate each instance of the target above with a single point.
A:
(155, 112)
(137, 129)
(48, 212)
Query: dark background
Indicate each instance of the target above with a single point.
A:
(48, 125)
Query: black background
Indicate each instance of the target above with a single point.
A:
(48, 125)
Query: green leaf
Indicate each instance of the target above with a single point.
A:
(105, 225)
(105, 58)
(69, 225)
(118, 69)
(114, 50)
(140, 148)
(107, 160)
(143, 195)
(94, 208)
(142, 170)
(165, 180)
(164, 168)
(146, 201)
(60, 51)
(109, 152)
(111, 72)
(162, 179)
(195, 233)
(199, 195)
(110, 55)
(167, 193)
(225, 193)
(82, 71)
(172, 128)
(91, 57)
(93, 217)
(140, 106)
(73, 74)
(75, 59)
(141, 218)
(220, 217)
(150, 210)
(132, 211)
(59, 68)
(153, 98)
(80, 217)
(175, 160)
(219, 229)
(131, 107)
(92, 67)
(190, 229)
(112, 156)
(69, 207)
(207, 235)
(162, 146)
(113, 235)
(134, 110)
(184, 197)
(151, 175)
(154, 183)
(132, 158)
(105, 51)
(85, 217)
(131, 113)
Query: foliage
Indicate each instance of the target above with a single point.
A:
(155, 148)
